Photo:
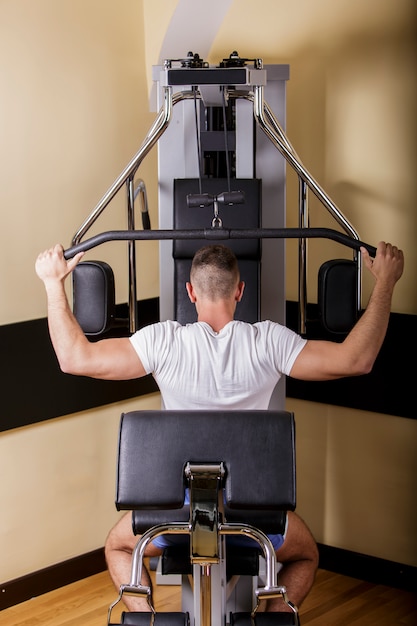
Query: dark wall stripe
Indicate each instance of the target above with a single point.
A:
(37, 583)
(34, 389)
(387, 389)
(368, 568)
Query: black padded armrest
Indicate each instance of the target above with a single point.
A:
(143, 520)
(257, 449)
(270, 522)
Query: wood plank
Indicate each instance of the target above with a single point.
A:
(335, 600)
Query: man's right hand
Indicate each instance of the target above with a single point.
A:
(51, 265)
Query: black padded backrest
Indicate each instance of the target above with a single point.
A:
(245, 215)
(247, 310)
(247, 251)
(257, 449)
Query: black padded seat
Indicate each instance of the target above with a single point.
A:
(256, 448)
(248, 251)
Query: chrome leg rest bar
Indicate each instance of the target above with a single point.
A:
(269, 591)
(135, 588)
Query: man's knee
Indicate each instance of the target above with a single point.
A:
(299, 543)
(111, 540)
(312, 551)
(121, 536)
(122, 539)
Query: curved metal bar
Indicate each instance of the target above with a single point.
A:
(271, 127)
(174, 528)
(290, 155)
(157, 129)
(271, 589)
(263, 540)
(135, 586)
(216, 234)
(152, 137)
(275, 133)
(280, 132)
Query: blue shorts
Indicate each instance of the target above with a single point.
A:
(167, 541)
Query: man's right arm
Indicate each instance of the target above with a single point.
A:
(109, 359)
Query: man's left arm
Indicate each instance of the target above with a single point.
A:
(356, 355)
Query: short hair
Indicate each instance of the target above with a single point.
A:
(215, 272)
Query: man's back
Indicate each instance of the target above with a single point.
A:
(236, 368)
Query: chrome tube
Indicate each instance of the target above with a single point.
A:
(275, 133)
(290, 155)
(277, 128)
(263, 540)
(135, 587)
(205, 595)
(152, 137)
(140, 547)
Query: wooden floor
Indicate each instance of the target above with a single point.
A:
(335, 600)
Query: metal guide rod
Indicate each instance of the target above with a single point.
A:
(205, 481)
(302, 257)
(131, 255)
(218, 234)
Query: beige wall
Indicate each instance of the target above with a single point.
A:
(58, 487)
(73, 112)
(350, 114)
(74, 109)
(356, 479)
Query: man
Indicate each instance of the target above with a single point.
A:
(219, 362)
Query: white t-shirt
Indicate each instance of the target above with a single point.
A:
(196, 368)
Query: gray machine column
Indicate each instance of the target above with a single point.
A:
(255, 157)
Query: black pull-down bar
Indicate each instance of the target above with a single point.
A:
(219, 234)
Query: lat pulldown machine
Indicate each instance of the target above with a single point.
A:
(227, 136)
(221, 169)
